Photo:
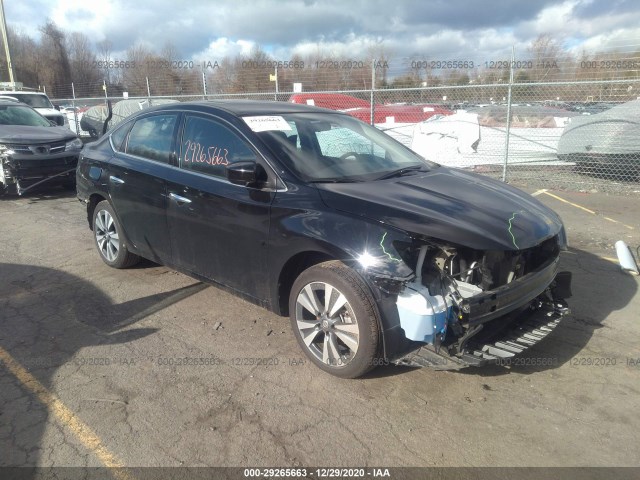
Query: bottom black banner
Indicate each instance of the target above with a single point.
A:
(392, 473)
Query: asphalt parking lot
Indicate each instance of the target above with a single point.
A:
(148, 367)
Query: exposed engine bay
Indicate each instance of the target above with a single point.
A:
(461, 298)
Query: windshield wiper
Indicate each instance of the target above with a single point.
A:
(401, 171)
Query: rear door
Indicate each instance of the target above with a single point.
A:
(137, 183)
(218, 230)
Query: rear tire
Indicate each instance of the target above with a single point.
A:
(334, 318)
(109, 240)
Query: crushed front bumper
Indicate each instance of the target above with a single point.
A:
(22, 172)
(532, 326)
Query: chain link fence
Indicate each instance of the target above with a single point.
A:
(542, 122)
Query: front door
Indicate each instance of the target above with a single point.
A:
(218, 230)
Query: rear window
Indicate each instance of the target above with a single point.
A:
(152, 137)
(117, 137)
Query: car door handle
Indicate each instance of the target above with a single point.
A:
(116, 180)
(179, 200)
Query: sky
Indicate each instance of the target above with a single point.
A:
(453, 29)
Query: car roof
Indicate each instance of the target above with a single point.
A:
(243, 108)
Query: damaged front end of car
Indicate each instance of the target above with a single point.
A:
(467, 307)
(26, 165)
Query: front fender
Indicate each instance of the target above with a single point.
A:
(367, 246)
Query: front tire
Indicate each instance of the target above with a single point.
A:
(334, 318)
(107, 234)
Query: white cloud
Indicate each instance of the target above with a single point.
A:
(552, 20)
(356, 47)
(223, 47)
(622, 39)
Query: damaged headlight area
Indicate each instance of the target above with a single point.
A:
(5, 151)
(74, 145)
(6, 169)
(464, 304)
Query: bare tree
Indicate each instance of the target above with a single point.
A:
(56, 59)
(549, 59)
(164, 75)
(84, 71)
(226, 78)
(104, 55)
(256, 70)
(134, 79)
(25, 59)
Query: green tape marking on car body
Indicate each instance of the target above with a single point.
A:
(385, 251)
(513, 238)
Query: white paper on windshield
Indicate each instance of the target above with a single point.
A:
(264, 123)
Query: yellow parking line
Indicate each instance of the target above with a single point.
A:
(570, 203)
(59, 410)
(586, 209)
(616, 221)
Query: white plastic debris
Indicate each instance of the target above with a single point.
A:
(625, 257)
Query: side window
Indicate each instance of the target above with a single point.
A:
(152, 137)
(207, 146)
(117, 137)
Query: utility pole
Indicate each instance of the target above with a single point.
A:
(275, 97)
(3, 26)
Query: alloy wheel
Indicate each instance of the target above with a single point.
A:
(327, 324)
(107, 236)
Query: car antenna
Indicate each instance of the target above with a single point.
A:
(105, 126)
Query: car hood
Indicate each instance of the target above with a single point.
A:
(451, 205)
(22, 134)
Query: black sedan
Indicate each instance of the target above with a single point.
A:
(33, 150)
(376, 254)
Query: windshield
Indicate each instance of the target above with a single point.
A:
(21, 115)
(324, 147)
(32, 99)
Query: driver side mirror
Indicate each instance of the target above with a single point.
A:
(245, 173)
